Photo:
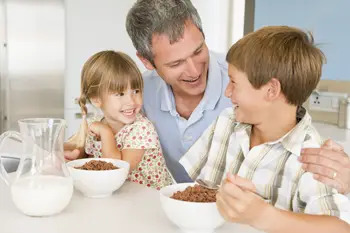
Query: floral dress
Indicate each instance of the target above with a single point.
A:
(152, 170)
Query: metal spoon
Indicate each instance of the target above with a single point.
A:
(207, 184)
(211, 185)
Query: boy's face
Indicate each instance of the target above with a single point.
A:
(249, 102)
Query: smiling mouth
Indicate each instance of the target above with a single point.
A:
(128, 112)
(192, 80)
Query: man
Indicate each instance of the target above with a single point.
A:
(184, 89)
(185, 84)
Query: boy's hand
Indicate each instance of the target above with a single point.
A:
(237, 202)
(329, 164)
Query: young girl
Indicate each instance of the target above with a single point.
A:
(112, 82)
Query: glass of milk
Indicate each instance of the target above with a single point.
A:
(42, 185)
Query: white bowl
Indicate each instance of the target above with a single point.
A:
(191, 217)
(98, 184)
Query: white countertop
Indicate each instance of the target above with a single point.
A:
(132, 208)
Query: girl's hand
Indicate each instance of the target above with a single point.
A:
(97, 129)
(72, 155)
(237, 201)
(71, 152)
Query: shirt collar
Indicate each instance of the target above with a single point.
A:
(212, 92)
(293, 140)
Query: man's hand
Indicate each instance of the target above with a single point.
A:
(237, 202)
(329, 164)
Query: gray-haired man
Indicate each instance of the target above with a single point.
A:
(184, 89)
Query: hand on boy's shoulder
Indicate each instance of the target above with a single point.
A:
(329, 164)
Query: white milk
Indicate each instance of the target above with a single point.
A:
(42, 195)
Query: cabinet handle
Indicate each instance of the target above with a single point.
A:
(79, 115)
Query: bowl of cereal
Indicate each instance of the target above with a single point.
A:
(191, 207)
(98, 177)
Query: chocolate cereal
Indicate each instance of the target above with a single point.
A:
(196, 193)
(97, 165)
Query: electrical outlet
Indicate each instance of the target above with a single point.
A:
(325, 101)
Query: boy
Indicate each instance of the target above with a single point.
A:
(272, 73)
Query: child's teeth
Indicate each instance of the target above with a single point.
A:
(129, 112)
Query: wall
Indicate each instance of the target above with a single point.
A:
(326, 19)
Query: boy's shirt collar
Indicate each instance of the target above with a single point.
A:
(292, 141)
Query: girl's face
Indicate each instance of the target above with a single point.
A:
(122, 107)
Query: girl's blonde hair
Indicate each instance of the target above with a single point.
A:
(104, 73)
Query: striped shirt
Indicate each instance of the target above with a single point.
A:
(273, 167)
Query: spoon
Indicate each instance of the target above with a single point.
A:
(211, 185)
(207, 184)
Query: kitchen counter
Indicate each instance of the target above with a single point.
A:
(132, 208)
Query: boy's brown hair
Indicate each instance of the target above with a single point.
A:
(285, 53)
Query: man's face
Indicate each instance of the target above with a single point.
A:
(184, 64)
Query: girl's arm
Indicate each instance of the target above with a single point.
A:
(110, 150)
(109, 146)
(108, 143)
(133, 157)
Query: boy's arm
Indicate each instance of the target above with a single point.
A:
(289, 222)
(237, 202)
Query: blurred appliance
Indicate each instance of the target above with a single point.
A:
(32, 54)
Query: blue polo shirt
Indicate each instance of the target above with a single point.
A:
(177, 134)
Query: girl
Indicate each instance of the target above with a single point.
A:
(112, 82)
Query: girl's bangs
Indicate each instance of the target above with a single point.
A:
(120, 81)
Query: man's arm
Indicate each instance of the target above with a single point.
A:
(329, 164)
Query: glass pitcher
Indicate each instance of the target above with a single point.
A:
(42, 185)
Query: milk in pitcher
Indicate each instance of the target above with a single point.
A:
(42, 195)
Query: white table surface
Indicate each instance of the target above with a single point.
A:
(132, 208)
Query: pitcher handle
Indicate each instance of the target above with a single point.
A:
(8, 134)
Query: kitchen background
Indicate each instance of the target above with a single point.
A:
(44, 44)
